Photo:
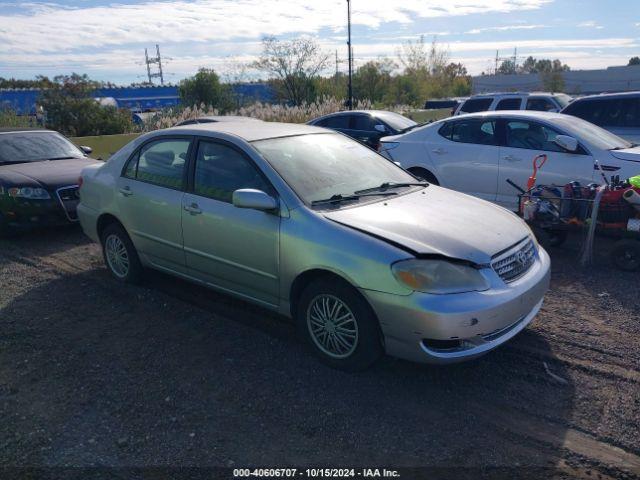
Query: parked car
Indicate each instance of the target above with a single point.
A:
(537, 101)
(217, 118)
(619, 113)
(366, 126)
(477, 153)
(320, 228)
(39, 172)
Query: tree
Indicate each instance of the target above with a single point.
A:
(71, 109)
(634, 61)
(295, 64)
(205, 88)
(372, 79)
(507, 67)
(533, 65)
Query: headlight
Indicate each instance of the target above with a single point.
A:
(439, 276)
(32, 193)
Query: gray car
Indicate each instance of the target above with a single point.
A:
(304, 221)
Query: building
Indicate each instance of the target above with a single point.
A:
(576, 82)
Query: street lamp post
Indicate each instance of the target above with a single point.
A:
(350, 100)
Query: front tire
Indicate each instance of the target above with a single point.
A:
(339, 325)
(626, 255)
(120, 255)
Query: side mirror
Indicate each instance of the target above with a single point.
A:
(568, 143)
(86, 149)
(380, 128)
(253, 199)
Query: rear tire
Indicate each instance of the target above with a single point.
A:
(120, 256)
(339, 325)
(424, 174)
(626, 255)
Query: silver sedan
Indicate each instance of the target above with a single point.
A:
(363, 256)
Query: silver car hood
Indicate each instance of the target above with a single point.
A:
(438, 221)
(629, 154)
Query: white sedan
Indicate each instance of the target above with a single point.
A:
(478, 153)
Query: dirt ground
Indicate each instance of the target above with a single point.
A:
(95, 373)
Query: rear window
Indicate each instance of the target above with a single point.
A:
(339, 121)
(476, 105)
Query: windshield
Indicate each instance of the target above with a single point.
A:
(20, 147)
(592, 134)
(319, 166)
(395, 120)
(563, 99)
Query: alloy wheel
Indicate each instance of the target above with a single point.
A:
(333, 326)
(117, 256)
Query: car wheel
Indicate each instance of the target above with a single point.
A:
(626, 255)
(120, 255)
(424, 174)
(339, 325)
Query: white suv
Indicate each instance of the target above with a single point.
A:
(538, 101)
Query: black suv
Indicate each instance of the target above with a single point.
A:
(366, 126)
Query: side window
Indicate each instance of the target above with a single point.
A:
(509, 104)
(363, 122)
(220, 170)
(540, 104)
(532, 136)
(476, 105)
(339, 121)
(470, 131)
(161, 163)
(631, 113)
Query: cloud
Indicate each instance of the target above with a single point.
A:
(41, 26)
(503, 28)
(590, 24)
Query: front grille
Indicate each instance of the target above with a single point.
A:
(69, 198)
(516, 261)
(69, 194)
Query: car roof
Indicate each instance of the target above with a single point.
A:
(513, 94)
(252, 131)
(608, 95)
(226, 118)
(348, 112)
(530, 114)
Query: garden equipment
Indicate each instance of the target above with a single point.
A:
(538, 163)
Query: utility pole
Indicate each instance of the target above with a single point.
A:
(157, 59)
(350, 100)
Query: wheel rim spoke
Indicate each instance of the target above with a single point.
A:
(117, 256)
(332, 326)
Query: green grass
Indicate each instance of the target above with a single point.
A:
(423, 116)
(105, 145)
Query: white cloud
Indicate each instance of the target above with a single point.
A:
(504, 28)
(46, 27)
(590, 24)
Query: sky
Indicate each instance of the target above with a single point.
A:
(106, 39)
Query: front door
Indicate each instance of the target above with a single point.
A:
(524, 140)
(231, 248)
(149, 199)
(465, 155)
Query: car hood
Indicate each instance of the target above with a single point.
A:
(50, 174)
(629, 154)
(438, 221)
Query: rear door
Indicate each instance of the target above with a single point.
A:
(234, 249)
(465, 154)
(523, 141)
(150, 193)
(509, 103)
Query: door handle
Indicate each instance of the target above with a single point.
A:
(511, 158)
(439, 151)
(126, 191)
(193, 209)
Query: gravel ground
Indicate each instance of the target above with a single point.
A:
(94, 373)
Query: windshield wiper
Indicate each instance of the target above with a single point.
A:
(337, 198)
(387, 185)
